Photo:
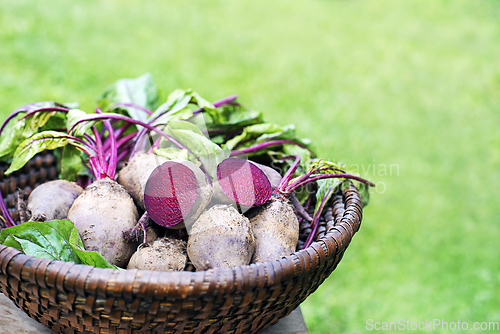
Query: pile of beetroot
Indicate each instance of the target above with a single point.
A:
(174, 185)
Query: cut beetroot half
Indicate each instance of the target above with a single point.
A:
(243, 182)
(170, 193)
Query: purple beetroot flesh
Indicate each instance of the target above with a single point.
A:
(170, 193)
(176, 193)
(243, 182)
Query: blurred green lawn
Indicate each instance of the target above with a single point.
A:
(409, 83)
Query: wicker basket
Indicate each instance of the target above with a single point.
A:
(71, 298)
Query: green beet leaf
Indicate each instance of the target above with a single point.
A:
(229, 118)
(51, 236)
(75, 116)
(251, 133)
(364, 192)
(139, 91)
(332, 167)
(204, 150)
(304, 154)
(164, 119)
(326, 188)
(259, 133)
(184, 125)
(30, 248)
(226, 126)
(209, 153)
(71, 165)
(57, 121)
(36, 120)
(28, 122)
(55, 239)
(12, 136)
(172, 153)
(47, 140)
(178, 102)
(91, 258)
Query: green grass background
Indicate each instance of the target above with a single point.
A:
(409, 83)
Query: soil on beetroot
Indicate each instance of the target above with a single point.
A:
(100, 214)
(163, 254)
(52, 200)
(221, 237)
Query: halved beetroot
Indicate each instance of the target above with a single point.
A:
(243, 182)
(177, 191)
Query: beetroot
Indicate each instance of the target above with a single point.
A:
(272, 174)
(220, 237)
(163, 254)
(176, 191)
(100, 214)
(52, 200)
(243, 182)
(276, 229)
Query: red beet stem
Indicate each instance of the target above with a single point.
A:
(113, 159)
(49, 109)
(286, 187)
(118, 134)
(289, 174)
(141, 134)
(330, 176)
(100, 154)
(134, 233)
(121, 104)
(315, 221)
(261, 146)
(156, 144)
(299, 208)
(219, 103)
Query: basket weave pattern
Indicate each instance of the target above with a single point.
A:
(71, 298)
(38, 170)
